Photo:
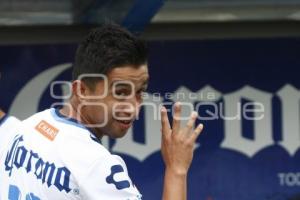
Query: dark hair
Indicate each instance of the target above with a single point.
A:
(108, 47)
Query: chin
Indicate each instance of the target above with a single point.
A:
(118, 134)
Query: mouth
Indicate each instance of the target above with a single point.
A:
(124, 124)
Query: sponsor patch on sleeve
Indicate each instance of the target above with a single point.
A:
(47, 130)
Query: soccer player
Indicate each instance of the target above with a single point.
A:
(8, 125)
(57, 153)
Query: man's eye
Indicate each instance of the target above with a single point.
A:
(122, 92)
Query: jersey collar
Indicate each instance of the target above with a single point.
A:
(64, 119)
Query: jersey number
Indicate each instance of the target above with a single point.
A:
(14, 193)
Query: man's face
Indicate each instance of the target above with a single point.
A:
(114, 113)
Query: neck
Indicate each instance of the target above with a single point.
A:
(70, 111)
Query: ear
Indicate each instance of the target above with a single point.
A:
(80, 89)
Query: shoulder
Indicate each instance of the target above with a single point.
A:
(43, 115)
(8, 127)
(7, 121)
(9, 124)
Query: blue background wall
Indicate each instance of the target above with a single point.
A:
(217, 173)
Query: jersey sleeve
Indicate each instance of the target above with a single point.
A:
(108, 179)
(8, 126)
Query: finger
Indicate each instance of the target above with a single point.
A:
(165, 124)
(196, 132)
(190, 124)
(176, 117)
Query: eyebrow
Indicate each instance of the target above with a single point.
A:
(118, 83)
(122, 84)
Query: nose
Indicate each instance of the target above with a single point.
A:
(135, 102)
(133, 105)
(125, 109)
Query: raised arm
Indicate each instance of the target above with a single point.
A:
(177, 151)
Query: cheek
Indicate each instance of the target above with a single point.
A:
(107, 108)
(97, 111)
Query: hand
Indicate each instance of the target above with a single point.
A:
(178, 143)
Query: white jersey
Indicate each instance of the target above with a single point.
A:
(52, 157)
(8, 125)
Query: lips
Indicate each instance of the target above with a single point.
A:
(125, 121)
(124, 124)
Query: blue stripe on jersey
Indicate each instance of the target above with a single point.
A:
(95, 138)
(61, 118)
(3, 119)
